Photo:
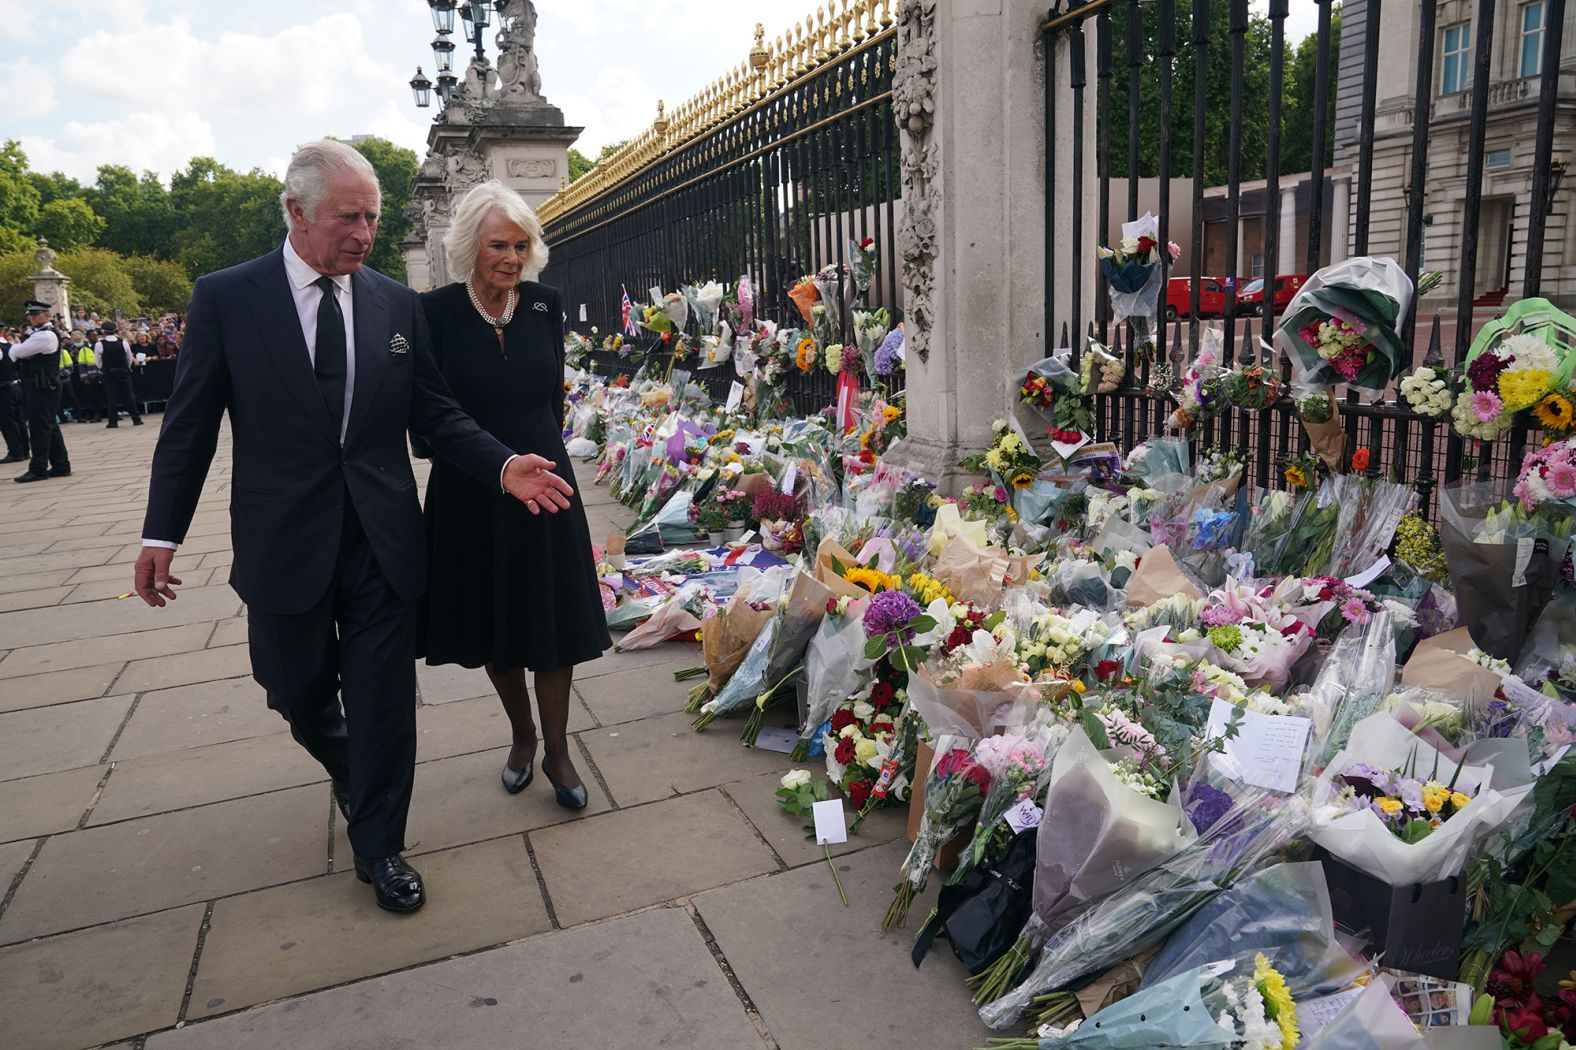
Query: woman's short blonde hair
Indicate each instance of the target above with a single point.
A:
(462, 243)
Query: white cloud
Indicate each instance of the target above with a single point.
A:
(161, 142)
(32, 86)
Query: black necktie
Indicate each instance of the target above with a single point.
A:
(329, 364)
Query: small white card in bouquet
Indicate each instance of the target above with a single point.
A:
(1023, 816)
(830, 825)
(735, 396)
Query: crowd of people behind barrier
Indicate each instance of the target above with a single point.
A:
(153, 343)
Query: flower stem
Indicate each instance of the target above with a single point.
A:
(1001, 976)
(835, 877)
(897, 911)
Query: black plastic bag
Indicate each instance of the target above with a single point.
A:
(983, 915)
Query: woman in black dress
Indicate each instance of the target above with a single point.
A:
(508, 589)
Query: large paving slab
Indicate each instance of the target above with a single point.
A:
(228, 632)
(813, 967)
(194, 715)
(98, 874)
(89, 987)
(33, 581)
(298, 938)
(662, 756)
(625, 696)
(47, 739)
(460, 799)
(196, 776)
(660, 660)
(58, 687)
(87, 619)
(478, 724)
(12, 856)
(639, 982)
(60, 656)
(43, 805)
(203, 665)
(634, 858)
(93, 592)
(42, 598)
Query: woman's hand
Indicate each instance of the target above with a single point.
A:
(530, 479)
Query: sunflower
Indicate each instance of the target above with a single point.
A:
(872, 580)
(1555, 412)
(1295, 477)
(890, 413)
(804, 354)
(1022, 480)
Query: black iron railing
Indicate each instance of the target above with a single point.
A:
(773, 179)
(1410, 447)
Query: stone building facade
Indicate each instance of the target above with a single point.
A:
(1508, 210)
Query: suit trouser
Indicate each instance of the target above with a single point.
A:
(13, 419)
(49, 448)
(357, 643)
(117, 392)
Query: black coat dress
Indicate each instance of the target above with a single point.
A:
(507, 588)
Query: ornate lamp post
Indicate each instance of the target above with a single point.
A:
(422, 88)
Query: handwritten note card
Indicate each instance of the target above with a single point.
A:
(1269, 748)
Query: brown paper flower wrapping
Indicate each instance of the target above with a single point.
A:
(1440, 664)
(828, 553)
(1329, 438)
(1158, 577)
(976, 574)
(727, 637)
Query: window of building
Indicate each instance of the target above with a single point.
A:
(1457, 57)
(1258, 265)
(1497, 158)
(1532, 19)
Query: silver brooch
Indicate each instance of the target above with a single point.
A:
(539, 306)
(399, 344)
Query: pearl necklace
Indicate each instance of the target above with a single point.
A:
(503, 319)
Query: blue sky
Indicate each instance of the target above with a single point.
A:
(151, 83)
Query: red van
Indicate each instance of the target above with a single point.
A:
(1251, 299)
(1211, 297)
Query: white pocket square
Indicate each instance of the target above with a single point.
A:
(399, 344)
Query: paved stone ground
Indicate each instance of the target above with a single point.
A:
(174, 874)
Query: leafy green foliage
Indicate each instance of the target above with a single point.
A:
(99, 282)
(229, 216)
(69, 224)
(162, 286)
(19, 200)
(396, 167)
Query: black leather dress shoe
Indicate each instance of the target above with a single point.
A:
(397, 885)
(23, 479)
(14, 459)
(341, 798)
(60, 473)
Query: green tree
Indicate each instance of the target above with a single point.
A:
(579, 164)
(54, 186)
(99, 281)
(227, 216)
(138, 215)
(396, 167)
(19, 200)
(69, 223)
(15, 288)
(162, 286)
(1297, 111)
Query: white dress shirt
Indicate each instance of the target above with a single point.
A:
(42, 341)
(308, 298)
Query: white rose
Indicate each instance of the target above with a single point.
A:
(863, 711)
(795, 779)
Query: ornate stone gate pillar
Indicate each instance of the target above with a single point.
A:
(969, 98)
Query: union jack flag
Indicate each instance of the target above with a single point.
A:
(624, 309)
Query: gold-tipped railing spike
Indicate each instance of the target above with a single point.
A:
(660, 125)
(886, 13)
(758, 54)
(807, 46)
(847, 26)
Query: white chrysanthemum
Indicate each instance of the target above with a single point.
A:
(1529, 352)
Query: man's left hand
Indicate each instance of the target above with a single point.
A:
(530, 479)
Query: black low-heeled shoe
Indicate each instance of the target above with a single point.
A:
(516, 780)
(569, 798)
(396, 885)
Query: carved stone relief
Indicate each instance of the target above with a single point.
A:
(532, 168)
(914, 106)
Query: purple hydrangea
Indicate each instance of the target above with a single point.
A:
(889, 614)
(1206, 805)
(886, 353)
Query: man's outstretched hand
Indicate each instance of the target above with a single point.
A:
(529, 479)
(154, 583)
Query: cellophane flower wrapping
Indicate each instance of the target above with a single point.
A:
(1060, 402)
(1171, 1015)
(704, 301)
(1361, 839)
(954, 792)
(777, 650)
(1370, 511)
(1364, 296)
(1019, 763)
(681, 613)
(1107, 833)
(1282, 911)
(835, 667)
(1504, 563)
(1253, 828)
(1353, 682)
(1373, 1021)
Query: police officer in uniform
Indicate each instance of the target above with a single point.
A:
(38, 359)
(13, 423)
(114, 360)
